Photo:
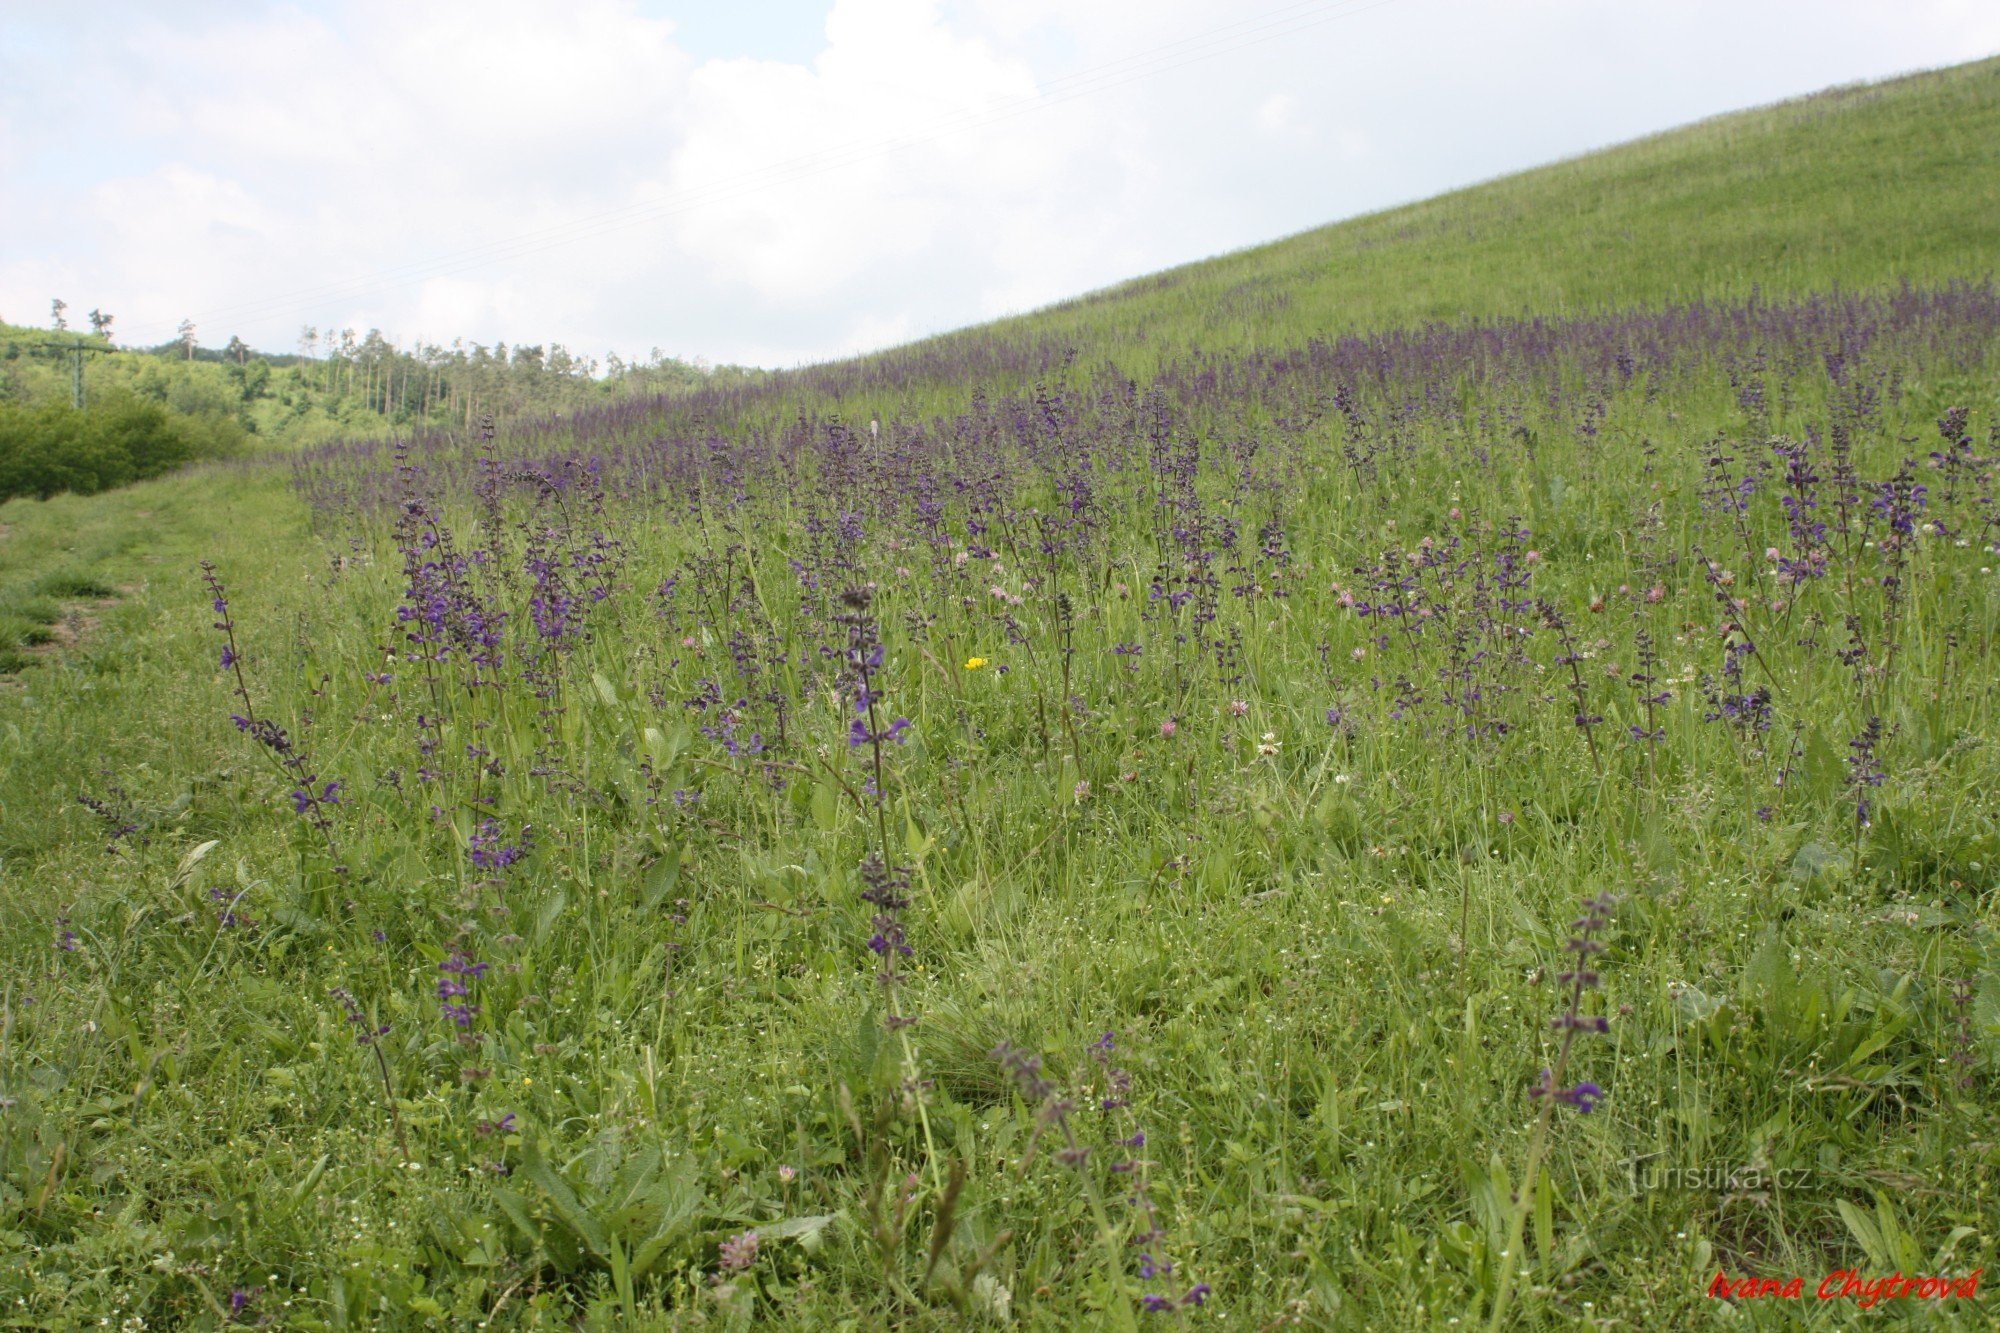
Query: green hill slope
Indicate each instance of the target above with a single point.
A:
(1856, 186)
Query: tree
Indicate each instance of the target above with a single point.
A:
(56, 308)
(100, 324)
(237, 351)
(186, 332)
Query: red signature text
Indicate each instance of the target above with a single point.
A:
(1845, 1285)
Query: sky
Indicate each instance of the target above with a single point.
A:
(774, 182)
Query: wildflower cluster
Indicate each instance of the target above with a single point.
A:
(1118, 609)
(489, 849)
(1055, 1111)
(1147, 1233)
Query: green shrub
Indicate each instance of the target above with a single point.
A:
(47, 450)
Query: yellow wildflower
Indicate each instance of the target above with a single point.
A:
(974, 663)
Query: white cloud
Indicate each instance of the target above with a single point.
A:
(1279, 116)
(532, 170)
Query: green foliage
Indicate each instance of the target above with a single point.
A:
(631, 1211)
(347, 386)
(51, 449)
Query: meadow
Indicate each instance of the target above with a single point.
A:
(1474, 822)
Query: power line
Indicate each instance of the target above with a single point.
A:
(1284, 21)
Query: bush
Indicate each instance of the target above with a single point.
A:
(50, 449)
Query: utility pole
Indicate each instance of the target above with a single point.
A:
(76, 352)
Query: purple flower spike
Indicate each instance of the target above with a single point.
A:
(1584, 1096)
(1584, 944)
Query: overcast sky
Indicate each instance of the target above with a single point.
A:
(777, 181)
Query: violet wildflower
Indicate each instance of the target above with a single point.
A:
(489, 849)
(1117, 1083)
(1548, 1089)
(1644, 681)
(310, 798)
(370, 1034)
(1052, 1110)
(303, 799)
(225, 915)
(365, 1034)
(1900, 500)
(1864, 769)
(887, 891)
(1747, 710)
(864, 659)
(1571, 656)
(454, 987)
(115, 809)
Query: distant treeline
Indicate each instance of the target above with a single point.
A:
(337, 383)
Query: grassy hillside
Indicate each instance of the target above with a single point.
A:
(1455, 826)
(1855, 187)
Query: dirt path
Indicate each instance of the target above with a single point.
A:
(70, 630)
